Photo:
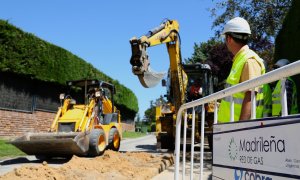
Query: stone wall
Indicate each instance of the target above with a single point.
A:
(13, 123)
(128, 127)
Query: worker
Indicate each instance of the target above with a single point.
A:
(267, 100)
(195, 91)
(291, 93)
(246, 65)
(98, 110)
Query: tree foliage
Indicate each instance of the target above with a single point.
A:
(150, 113)
(215, 53)
(288, 39)
(27, 55)
(265, 18)
(197, 56)
(220, 60)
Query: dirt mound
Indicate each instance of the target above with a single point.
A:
(112, 165)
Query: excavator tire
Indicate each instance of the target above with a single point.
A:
(114, 139)
(97, 143)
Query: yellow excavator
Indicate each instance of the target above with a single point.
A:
(86, 124)
(179, 80)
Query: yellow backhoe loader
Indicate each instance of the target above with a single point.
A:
(83, 128)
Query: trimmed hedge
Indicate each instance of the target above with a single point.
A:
(288, 40)
(25, 54)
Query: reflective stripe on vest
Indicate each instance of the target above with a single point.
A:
(233, 79)
(276, 99)
(237, 100)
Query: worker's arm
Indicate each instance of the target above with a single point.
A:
(251, 70)
(246, 107)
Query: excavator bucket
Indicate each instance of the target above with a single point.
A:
(53, 144)
(141, 66)
(150, 78)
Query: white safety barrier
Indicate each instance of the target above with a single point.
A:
(278, 74)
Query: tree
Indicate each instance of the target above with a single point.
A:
(137, 117)
(215, 53)
(150, 112)
(197, 56)
(288, 39)
(265, 18)
(220, 60)
(201, 51)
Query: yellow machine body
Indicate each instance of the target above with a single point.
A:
(72, 128)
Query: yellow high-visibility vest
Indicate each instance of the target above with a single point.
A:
(267, 102)
(276, 99)
(233, 79)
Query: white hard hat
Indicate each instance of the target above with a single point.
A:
(282, 62)
(237, 25)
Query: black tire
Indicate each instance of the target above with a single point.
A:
(97, 143)
(114, 139)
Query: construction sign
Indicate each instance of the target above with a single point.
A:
(265, 149)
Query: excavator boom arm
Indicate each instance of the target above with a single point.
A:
(166, 33)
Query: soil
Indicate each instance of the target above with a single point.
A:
(111, 165)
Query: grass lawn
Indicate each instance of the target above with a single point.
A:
(8, 150)
(128, 134)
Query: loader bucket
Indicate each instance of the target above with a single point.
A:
(53, 144)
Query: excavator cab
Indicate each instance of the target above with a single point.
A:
(208, 82)
(86, 124)
(198, 75)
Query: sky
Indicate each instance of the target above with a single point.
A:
(99, 32)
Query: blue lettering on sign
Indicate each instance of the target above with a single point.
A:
(246, 175)
(238, 176)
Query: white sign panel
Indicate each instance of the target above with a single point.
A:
(266, 150)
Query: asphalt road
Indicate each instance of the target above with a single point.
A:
(146, 144)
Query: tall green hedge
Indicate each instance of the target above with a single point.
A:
(287, 42)
(25, 54)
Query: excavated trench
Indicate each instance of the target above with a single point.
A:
(112, 165)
